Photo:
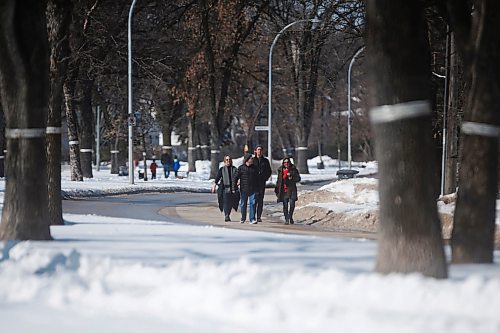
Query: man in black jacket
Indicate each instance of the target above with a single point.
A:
(246, 177)
(263, 173)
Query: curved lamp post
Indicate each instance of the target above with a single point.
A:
(269, 95)
(349, 120)
(130, 127)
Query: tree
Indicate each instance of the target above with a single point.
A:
(58, 21)
(478, 43)
(24, 82)
(398, 52)
(223, 28)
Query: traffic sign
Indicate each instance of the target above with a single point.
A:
(132, 121)
(262, 128)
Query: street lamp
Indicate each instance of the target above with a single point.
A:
(269, 95)
(349, 158)
(130, 123)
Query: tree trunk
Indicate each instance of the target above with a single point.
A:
(86, 128)
(2, 140)
(409, 234)
(191, 144)
(72, 122)
(474, 219)
(455, 106)
(24, 82)
(58, 22)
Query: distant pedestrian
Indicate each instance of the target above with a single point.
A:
(263, 173)
(227, 193)
(176, 165)
(153, 167)
(286, 188)
(246, 177)
(166, 162)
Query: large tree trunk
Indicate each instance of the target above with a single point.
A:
(474, 221)
(86, 128)
(24, 84)
(58, 21)
(409, 234)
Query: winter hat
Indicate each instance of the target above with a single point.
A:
(247, 157)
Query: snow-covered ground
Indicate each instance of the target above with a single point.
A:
(102, 274)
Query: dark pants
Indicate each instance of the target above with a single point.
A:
(288, 208)
(259, 201)
(228, 203)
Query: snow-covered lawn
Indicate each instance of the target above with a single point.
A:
(102, 274)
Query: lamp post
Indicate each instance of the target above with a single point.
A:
(269, 95)
(130, 124)
(349, 158)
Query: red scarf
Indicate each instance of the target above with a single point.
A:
(285, 174)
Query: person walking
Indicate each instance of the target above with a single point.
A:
(153, 167)
(263, 173)
(227, 194)
(176, 165)
(246, 177)
(166, 162)
(286, 188)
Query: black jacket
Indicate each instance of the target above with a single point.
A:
(247, 175)
(263, 171)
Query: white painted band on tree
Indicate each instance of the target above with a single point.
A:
(74, 143)
(2, 157)
(24, 133)
(301, 148)
(389, 113)
(114, 151)
(53, 130)
(86, 150)
(472, 128)
(192, 148)
(204, 147)
(166, 147)
(214, 151)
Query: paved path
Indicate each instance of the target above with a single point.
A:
(209, 213)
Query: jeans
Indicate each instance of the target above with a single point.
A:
(250, 197)
(286, 210)
(166, 171)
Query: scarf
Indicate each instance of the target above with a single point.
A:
(285, 175)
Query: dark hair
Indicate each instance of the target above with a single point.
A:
(287, 159)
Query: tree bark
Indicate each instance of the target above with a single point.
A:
(474, 220)
(58, 22)
(455, 107)
(72, 122)
(24, 82)
(86, 128)
(398, 51)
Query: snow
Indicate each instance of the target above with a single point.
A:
(103, 274)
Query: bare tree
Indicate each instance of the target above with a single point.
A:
(58, 21)
(478, 42)
(398, 52)
(24, 82)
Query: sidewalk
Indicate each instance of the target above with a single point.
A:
(209, 214)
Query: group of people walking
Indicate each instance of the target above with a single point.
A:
(244, 187)
(168, 164)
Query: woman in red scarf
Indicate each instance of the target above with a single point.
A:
(286, 188)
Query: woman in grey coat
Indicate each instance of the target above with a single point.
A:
(286, 188)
